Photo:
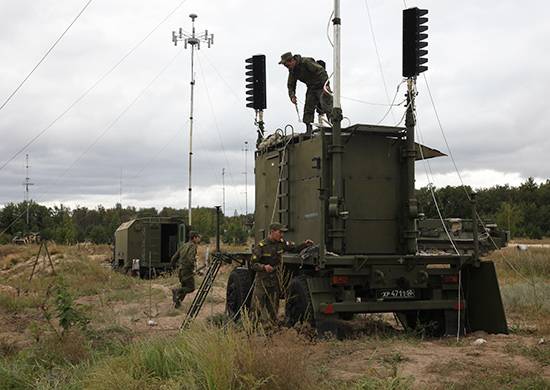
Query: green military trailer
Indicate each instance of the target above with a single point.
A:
(367, 259)
(144, 246)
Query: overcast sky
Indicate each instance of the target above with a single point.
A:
(488, 75)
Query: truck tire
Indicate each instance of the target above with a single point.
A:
(299, 307)
(239, 285)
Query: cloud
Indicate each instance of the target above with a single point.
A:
(488, 81)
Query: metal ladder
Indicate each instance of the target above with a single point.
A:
(204, 289)
(283, 195)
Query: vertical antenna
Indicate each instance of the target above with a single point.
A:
(26, 184)
(336, 199)
(120, 189)
(245, 179)
(193, 40)
(223, 191)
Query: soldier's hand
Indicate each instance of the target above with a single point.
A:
(268, 268)
(308, 242)
(293, 99)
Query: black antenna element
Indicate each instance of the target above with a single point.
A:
(414, 41)
(255, 82)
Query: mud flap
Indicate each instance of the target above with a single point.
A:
(484, 309)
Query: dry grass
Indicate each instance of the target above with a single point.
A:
(207, 358)
(470, 374)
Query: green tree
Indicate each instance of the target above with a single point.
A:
(510, 217)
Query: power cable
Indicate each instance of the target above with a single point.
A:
(118, 117)
(98, 138)
(45, 55)
(83, 95)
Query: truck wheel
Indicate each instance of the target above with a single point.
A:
(299, 307)
(428, 322)
(238, 289)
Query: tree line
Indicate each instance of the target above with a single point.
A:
(523, 210)
(69, 226)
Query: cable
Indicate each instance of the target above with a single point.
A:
(83, 95)
(443, 134)
(153, 158)
(328, 29)
(392, 102)
(214, 117)
(45, 55)
(232, 90)
(378, 56)
(371, 103)
(98, 138)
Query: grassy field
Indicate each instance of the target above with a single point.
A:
(87, 327)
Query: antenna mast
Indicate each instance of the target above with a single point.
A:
(336, 199)
(223, 190)
(245, 179)
(26, 184)
(193, 40)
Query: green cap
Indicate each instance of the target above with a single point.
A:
(285, 57)
(277, 226)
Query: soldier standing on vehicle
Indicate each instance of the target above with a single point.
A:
(267, 261)
(185, 259)
(314, 75)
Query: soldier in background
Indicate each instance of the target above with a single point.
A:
(314, 75)
(185, 259)
(267, 261)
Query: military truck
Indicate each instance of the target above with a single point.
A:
(370, 264)
(145, 246)
(351, 190)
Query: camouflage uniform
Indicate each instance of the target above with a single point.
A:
(265, 299)
(314, 76)
(185, 259)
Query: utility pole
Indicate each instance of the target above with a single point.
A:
(26, 184)
(193, 40)
(223, 191)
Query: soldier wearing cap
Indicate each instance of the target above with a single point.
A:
(267, 261)
(184, 258)
(314, 75)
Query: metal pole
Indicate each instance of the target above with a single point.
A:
(411, 209)
(475, 232)
(245, 180)
(193, 40)
(336, 200)
(191, 121)
(223, 190)
(336, 53)
(217, 229)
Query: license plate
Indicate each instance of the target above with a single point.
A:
(397, 293)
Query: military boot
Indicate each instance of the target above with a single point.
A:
(175, 299)
(309, 128)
